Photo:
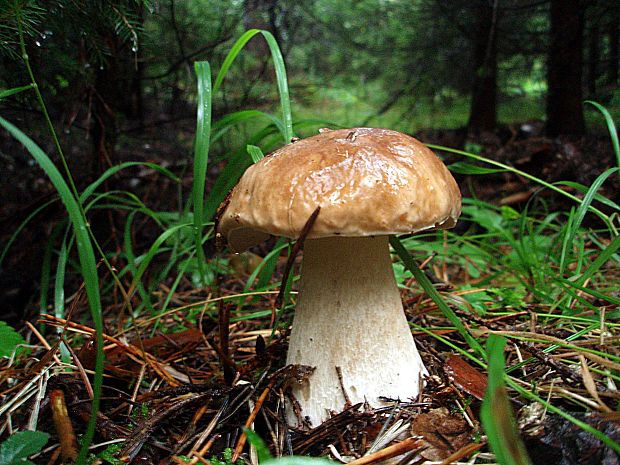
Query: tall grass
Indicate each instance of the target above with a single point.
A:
(88, 266)
(532, 254)
(78, 205)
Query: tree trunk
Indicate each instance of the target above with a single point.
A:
(103, 130)
(564, 68)
(483, 110)
(593, 59)
(259, 14)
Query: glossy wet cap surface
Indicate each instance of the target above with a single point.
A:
(366, 181)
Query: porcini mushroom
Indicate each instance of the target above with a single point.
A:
(369, 183)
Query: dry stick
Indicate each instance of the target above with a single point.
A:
(140, 355)
(136, 389)
(146, 321)
(209, 429)
(64, 428)
(35, 410)
(198, 455)
(43, 342)
(389, 452)
(462, 452)
(561, 342)
(251, 418)
(289, 263)
(347, 401)
(565, 373)
(225, 360)
(228, 365)
(80, 367)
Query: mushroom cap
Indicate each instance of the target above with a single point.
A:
(367, 182)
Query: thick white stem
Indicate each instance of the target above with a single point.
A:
(349, 315)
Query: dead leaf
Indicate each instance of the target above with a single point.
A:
(465, 377)
(445, 433)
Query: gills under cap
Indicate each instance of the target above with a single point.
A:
(366, 181)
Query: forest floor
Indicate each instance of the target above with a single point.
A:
(180, 385)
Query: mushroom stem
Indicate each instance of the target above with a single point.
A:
(349, 315)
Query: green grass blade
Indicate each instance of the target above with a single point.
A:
(19, 229)
(201, 156)
(90, 189)
(428, 287)
(607, 297)
(285, 101)
(59, 281)
(584, 189)
(16, 90)
(263, 273)
(590, 196)
(536, 180)
(270, 264)
(280, 70)
(59, 289)
(255, 153)
(496, 412)
(131, 260)
(232, 55)
(598, 262)
(461, 167)
(238, 162)
(219, 128)
(262, 450)
(552, 408)
(611, 127)
(177, 280)
(577, 219)
(46, 266)
(88, 266)
(155, 249)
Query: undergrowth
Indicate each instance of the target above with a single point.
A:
(555, 270)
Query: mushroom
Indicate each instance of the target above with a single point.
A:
(349, 321)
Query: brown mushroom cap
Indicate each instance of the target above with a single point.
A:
(366, 181)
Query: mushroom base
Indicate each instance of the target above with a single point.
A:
(349, 315)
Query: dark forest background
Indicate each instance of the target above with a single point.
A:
(119, 83)
(107, 68)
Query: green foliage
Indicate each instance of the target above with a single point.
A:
(18, 447)
(428, 287)
(496, 412)
(88, 266)
(108, 454)
(475, 301)
(535, 256)
(255, 153)
(9, 340)
(13, 12)
(226, 458)
(201, 156)
(611, 128)
(190, 259)
(201, 272)
(56, 30)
